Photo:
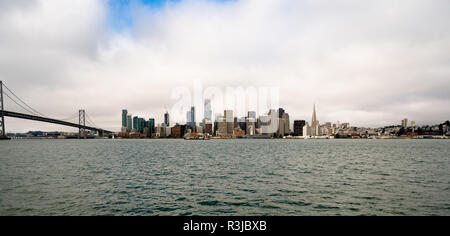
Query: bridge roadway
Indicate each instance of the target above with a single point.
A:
(53, 121)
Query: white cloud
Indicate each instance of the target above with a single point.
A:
(367, 62)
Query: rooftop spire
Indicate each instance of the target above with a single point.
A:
(314, 120)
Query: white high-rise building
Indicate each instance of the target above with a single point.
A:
(228, 114)
(306, 130)
(229, 119)
(251, 126)
(405, 123)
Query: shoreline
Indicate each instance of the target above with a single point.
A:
(240, 138)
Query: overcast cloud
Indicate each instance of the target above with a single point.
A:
(370, 63)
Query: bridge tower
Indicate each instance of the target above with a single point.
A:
(81, 121)
(2, 118)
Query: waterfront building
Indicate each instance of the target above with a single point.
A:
(306, 130)
(264, 123)
(188, 118)
(229, 119)
(405, 123)
(298, 127)
(208, 127)
(191, 118)
(124, 117)
(176, 132)
(281, 112)
(221, 126)
(242, 123)
(135, 123)
(273, 122)
(252, 114)
(283, 124)
(250, 126)
(202, 125)
(161, 131)
(166, 119)
(129, 123)
(345, 126)
(228, 115)
(207, 110)
(151, 126)
(140, 125)
(315, 127)
(199, 129)
(167, 131)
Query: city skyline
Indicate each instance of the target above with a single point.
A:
(364, 62)
(275, 123)
(226, 125)
(132, 121)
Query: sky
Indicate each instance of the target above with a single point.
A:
(370, 63)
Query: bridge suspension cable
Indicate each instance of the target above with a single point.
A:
(18, 104)
(35, 112)
(90, 121)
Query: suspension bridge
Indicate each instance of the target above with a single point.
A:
(84, 122)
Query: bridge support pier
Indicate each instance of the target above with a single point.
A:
(2, 116)
(82, 122)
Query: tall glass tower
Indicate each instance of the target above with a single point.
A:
(151, 126)
(166, 119)
(135, 123)
(129, 122)
(124, 118)
(208, 111)
(192, 117)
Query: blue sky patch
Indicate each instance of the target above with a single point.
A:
(120, 14)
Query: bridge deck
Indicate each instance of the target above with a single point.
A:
(50, 120)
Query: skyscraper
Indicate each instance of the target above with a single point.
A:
(280, 112)
(208, 128)
(298, 127)
(273, 120)
(251, 123)
(140, 125)
(135, 123)
(151, 126)
(405, 123)
(229, 119)
(283, 122)
(221, 127)
(188, 118)
(124, 118)
(208, 111)
(129, 123)
(191, 118)
(252, 114)
(166, 119)
(314, 123)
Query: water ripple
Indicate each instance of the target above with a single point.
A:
(225, 177)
